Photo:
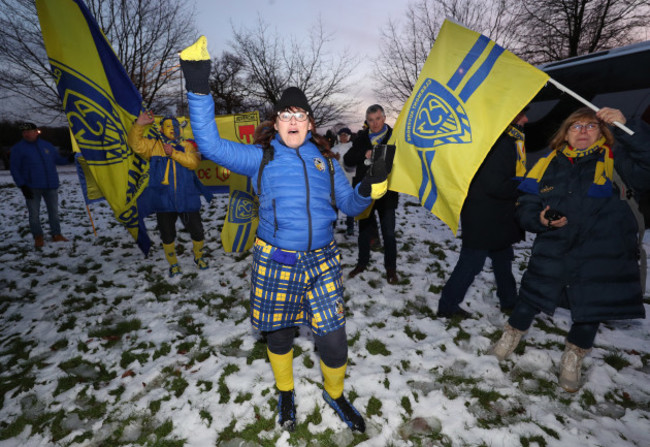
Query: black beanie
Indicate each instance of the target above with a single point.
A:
(293, 97)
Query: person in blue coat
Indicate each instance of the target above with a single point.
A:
(174, 190)
(585, 255)
(296, 273)
(33, 167)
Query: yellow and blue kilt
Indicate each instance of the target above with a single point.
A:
(309, 292)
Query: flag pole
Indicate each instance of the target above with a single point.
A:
(91, 220)
(588, 104)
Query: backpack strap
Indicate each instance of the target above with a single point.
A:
(330, 165)
(267, 156)
(627, 194)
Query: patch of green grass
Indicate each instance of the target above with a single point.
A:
(68, 324)
(259, 352)
(435, 289)
(616, 361)
(416, 334)
(307, 361)
(527, 441)
(241, 398)
(624, 399)
(587, 399)
(374, 407)
(461, 335)
(375, 346)
(206, 416)
(165, 348)
(118, 330)
(61, 343)
(355, 338)
(129, 356)
(250, 432)
(406, 404)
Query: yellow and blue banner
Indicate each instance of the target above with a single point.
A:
(240, 223)
(469, 90)
(100, 103)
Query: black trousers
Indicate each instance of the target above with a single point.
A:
(191, 222)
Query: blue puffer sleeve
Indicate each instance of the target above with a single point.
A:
(240, 158)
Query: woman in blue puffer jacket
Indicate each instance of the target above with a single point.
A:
(296, 274)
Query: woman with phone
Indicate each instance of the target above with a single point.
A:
(585, 254)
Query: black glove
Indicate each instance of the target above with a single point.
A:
(27, 192)
(374, 184)
(197, 75)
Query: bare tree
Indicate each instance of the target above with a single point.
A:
(557, 29)
(272, 64)
(228, 86)
(405, 45)
(146, 36)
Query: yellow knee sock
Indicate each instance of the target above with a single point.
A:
(333, 379)
(197, 248)
(282, 369)
(170, 253)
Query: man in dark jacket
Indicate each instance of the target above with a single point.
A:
(378, 132)
(33, 167)
(489, 227)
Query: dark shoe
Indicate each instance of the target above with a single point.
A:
(391, 276)
(375, 244)
(38, 241)
(358, 269)
(458, 313)
(287, 410)
(59, 238)
(346, 412)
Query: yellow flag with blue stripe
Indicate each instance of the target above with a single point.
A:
(100, 103)
(240, 223)
(468, 91)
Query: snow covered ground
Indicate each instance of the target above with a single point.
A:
(99, 348)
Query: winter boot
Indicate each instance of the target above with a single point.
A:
(174, 270)
(346, 412)
(570, 366)
(287, 410)
(59, 238)
(507, 343)
(39, 241)
(197, 248)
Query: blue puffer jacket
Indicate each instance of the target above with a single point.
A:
(173, 184)
(295, 204)
(590, 264)
(34, 164)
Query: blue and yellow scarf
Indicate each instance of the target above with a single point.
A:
(519, 138)
(602, 185)
(376, 138)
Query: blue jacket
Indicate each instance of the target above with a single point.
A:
(173, 184)
(34, 164)
(590, 264)
(295, 205)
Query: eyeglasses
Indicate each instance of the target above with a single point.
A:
(286, 116)
(577, 127)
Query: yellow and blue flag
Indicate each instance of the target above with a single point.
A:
(469, 90)
(100, 103)
(240, 223)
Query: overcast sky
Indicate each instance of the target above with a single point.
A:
(355, 27)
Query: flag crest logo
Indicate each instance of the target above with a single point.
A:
(243, 207)
(436, 117)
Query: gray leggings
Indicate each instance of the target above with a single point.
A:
(333, 346)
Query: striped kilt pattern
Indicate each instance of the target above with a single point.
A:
(310, 292)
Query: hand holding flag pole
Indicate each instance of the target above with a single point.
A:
(588, 104)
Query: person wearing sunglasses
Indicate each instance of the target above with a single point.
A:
(585, 254)
(296, 272)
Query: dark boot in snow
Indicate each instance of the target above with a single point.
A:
(346, 412)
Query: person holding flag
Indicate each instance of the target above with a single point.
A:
(585, 255)
(296, 273)
(174, 189)
(489, 227)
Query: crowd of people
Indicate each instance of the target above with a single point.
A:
(584, 256)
